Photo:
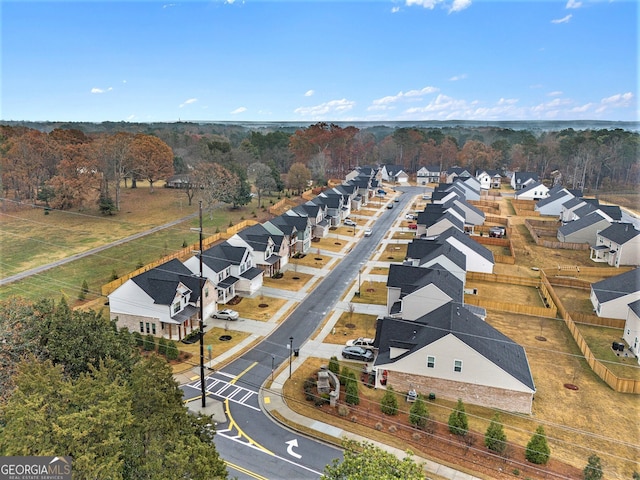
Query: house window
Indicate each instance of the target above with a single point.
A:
(431, 361)
(175, 308)
(206, 292)
(153, 328)
(141, 327)
(148, 330)
(457, 365)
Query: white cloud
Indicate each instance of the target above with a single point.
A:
(581, 108)
(459, 5)
(168, 5)
(101, 90)
(395, 9)
(573, 4)
(563, 19)
(327, 108)
(188, 102)
(555, 93)
(239, 110)
(414, 94)
(618, 101)
(454, 6)
(550, 106)
(309, 93)
(455, 78)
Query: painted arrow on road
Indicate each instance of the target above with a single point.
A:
(292, 443)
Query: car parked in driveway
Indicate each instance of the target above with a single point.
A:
(360, 342)
(413, 226)
(349, 222)
(357, 353)
(226, 314)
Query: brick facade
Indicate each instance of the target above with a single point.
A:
(485, 396)
(170, 331)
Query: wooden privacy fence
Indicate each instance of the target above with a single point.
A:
(501, 242)
(511, 307)
(180, 254)
(622, 385)
(589, 319)
(548, 311)
(536, 233)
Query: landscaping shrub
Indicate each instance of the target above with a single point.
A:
(309, 387)
(495, 438)
(379, 426)
(162, 346)
(149, 343)
(351, 391)
(172, 351)
(538, 451)
(334, 365)
(593, 469)
(418, 414)
(393, 428)
(458, 422)
(343, 410)
(389, 402)
(137, 337)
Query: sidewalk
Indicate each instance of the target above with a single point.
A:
(272, 401)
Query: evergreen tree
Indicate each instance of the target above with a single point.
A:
(351, 390)
(389, 402)
(334, 365)
(149, 343)
(495, 438)
(172, 351)
(538, 451)
(418, 414)
(458, 423)
(593, 469)
(162, 346)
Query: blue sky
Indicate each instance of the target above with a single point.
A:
(309, 60)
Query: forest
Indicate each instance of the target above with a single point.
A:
(75, 166)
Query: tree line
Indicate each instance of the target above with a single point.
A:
(68, 168)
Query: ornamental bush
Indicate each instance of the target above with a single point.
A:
(495, 438)
(389, 402)
(458, 422)
(538, 451)
(418, 414)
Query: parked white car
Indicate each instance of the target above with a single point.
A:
(226, 314)
(349, 222)
(361, 342)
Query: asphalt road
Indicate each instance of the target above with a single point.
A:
(251, 440)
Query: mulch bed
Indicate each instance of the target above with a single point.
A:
(438, 444)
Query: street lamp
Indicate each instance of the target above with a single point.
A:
(273, 359)
(290, 354)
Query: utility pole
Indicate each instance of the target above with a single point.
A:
(202, 385)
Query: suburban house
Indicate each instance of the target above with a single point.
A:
(267, 257)
(180, 180)
(436, 219)
(454, 354)
(428, 174)
(456, 172)
(584, 229)
(567, 212)
(240, 258)
(520, 180)
(316, 213)
(394, 174)
(479, 258)
(414, 291)
(552, 204)
(426, 253)
(218, 270)
(532, 191)
(611, 296)
(362, 184)
(618, 244)
(489, 179)
(163, 301)
(296, 227)
(472, 215)
(631, 333)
